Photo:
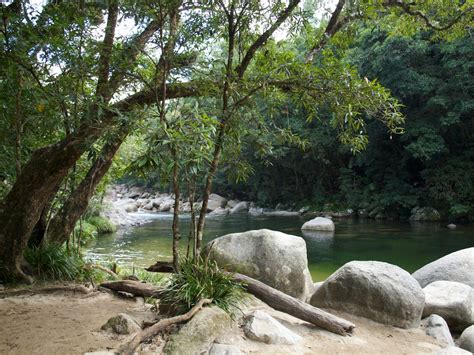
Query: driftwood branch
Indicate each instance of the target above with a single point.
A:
(129, 348)
(136, 288)
(287, 304)
(274, 298)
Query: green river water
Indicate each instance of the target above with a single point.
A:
(408, 245)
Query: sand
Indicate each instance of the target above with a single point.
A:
(69, 323)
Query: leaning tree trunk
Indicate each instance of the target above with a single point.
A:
(39, 181)
(63, 223)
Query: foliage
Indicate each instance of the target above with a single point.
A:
(55, 262)
(84, 231)
(102, 225)
(203, 279)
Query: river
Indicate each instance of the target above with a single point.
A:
(408, 245)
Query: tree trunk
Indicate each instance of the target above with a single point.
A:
(287, 304)
(63, 223)
(39, 180)
(176, 235)
(42, 176)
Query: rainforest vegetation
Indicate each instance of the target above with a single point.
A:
(348, 104)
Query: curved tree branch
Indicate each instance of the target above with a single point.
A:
(263, 38)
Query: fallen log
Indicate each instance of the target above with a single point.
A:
(274, 298)
(161, 266)
(287, 304)
(129, 348)
(136, 288)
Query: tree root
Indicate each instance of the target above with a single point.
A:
(130, 347)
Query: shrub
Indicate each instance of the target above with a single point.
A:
(55, 262)
(102, 225)
(203, 279)
(86, 231)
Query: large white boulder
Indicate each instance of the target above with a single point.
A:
(457, 266)
(436, 327)
(466, 340)
(215, 201)
(277, 259)
(376, 290)
(262, 327)
(450, 300)
(240, 207)
(319, 224)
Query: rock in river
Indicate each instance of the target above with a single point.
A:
(319, 224)
(376, 290)
(277, 259)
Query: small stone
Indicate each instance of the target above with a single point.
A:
(122, 324)
(262, 327)
(451, 226)
(224, 349)
(436, 327)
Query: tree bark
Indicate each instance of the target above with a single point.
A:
(287, 304)
(63, 223)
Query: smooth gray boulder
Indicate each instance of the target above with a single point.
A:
(224, 349)
(232, 203)
(450, 300)
(436, 327)
(240, 207)
(198, 335)
(319, 224)
(262, 327)
(457, 267)
(166, 205)
(466, 340)
(122, 324)
(276, 259)
(215, 201)
(376, 290)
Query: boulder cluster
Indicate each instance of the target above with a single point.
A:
(438, 297)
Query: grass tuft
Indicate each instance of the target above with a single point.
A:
(102, 225)
(204, 279)
(52, 262)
